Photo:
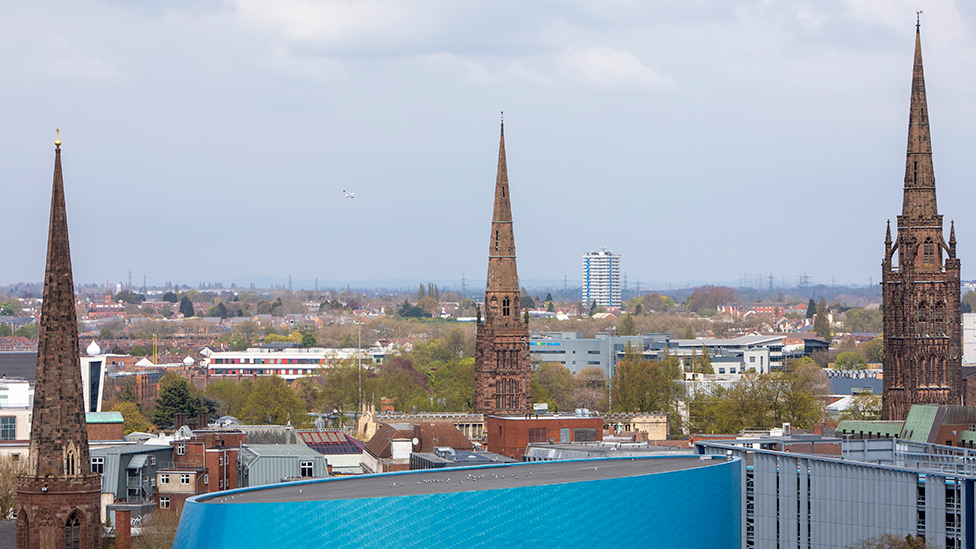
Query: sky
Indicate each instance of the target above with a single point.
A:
(702, 141)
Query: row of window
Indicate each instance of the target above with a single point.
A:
(260, 371)
(184, 478)
(272, 360)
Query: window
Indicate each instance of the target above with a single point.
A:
(72, 533)
(307, 468)
(181, 449)
(928, 249)
(539, 435)
(220, 459)
(98, 465)
(220, 483)
(15, 457)
(164, 479)
(8, 427)
(206, 478)
(584, 434)
(752, 359)
(152, 460)
(164, 503)
(506, 307)
(185, 478)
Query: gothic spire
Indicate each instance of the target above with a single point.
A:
(502, 272)
(919, 200)
(59, 439)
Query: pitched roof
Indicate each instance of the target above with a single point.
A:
(428, 435)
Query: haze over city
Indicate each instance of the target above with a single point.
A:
(211, 141)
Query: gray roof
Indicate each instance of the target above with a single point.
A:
(285, 450)
(19, 364)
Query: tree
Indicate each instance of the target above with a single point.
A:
(429, 305)
(170, 297)
(891, 541)
(158, 532)
(9, 471)
(647, 386)
(557, 382)
(874, 350)
(133, 416)
(705, 362)
(308, 340)
(5, 330)
(548, 297)
(176, 396)
(525, 300)
(186, 307)
(811, 308)
(30, 331)
(850, 360)
(8, 308)
(421, 293)
(129, 296)
(138, 350)
(863, 407)
(626, 327)
(969, 302)
(272, 402)
(821, 322)
(710, 297)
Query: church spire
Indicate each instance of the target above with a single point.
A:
(59, 439)
(502, 272)
(919, 200)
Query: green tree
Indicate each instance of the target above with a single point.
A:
(548, 297)
(558, 384)
(170, 297)
(891, 541)
(272, 402)
(429, 305)
(129, 296)
(811, 308)
(646, 386)
(850, 360)
(689, 332)
(525, 300)
(308, 340)
(176, 396)
(138, 350)
(30, 331)
(421, 293)
(705, 362)
(230, 396)
(133, 417)
(5, 330)
(453, 383)
(874, 350)
(626, 326)
(8, 308)
(186, 307)
(969, 302)
(863, 407)
(821, 322)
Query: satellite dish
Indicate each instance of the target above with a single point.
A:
(415, 441)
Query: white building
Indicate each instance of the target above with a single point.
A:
(601, 279)
(289, 364)
(969, 338)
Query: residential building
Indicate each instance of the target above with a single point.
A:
(920, 279)
(343, 453)
(502, 376)
(601, 279)
(288, 363)
(129, 477)
(390, 448)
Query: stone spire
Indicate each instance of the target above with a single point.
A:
(59, 439)
(919, 200)
(502, 271)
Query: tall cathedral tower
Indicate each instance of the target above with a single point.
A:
(58, 498)
(922, 358)
(502, 361)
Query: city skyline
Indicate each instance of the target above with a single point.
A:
(213, 142)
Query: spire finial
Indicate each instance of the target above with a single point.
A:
(918, 21)
(57, 139)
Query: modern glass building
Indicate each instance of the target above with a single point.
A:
(674, 501)
(601, 279)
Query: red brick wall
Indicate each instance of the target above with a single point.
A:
(217, 471)
(510, 436)
(105, 431)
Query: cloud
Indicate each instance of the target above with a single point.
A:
(604, 68)
(306, 68)
(473, 72)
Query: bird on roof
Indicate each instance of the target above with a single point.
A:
(348, 194)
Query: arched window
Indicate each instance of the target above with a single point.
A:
(938, 319)
(928, 252)
(72, 533)
(922, 328)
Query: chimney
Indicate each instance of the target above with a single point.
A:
(123, 529)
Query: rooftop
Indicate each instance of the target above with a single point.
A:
(466, 479)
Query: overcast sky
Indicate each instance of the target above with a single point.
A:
(211, 141)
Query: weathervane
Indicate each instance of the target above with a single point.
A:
(57, 139)
(918, 19)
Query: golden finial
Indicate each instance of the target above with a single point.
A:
(57, 140)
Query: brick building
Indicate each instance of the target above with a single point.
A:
(920, 282)
(203, 461)
(510, 435)
(502, 354)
